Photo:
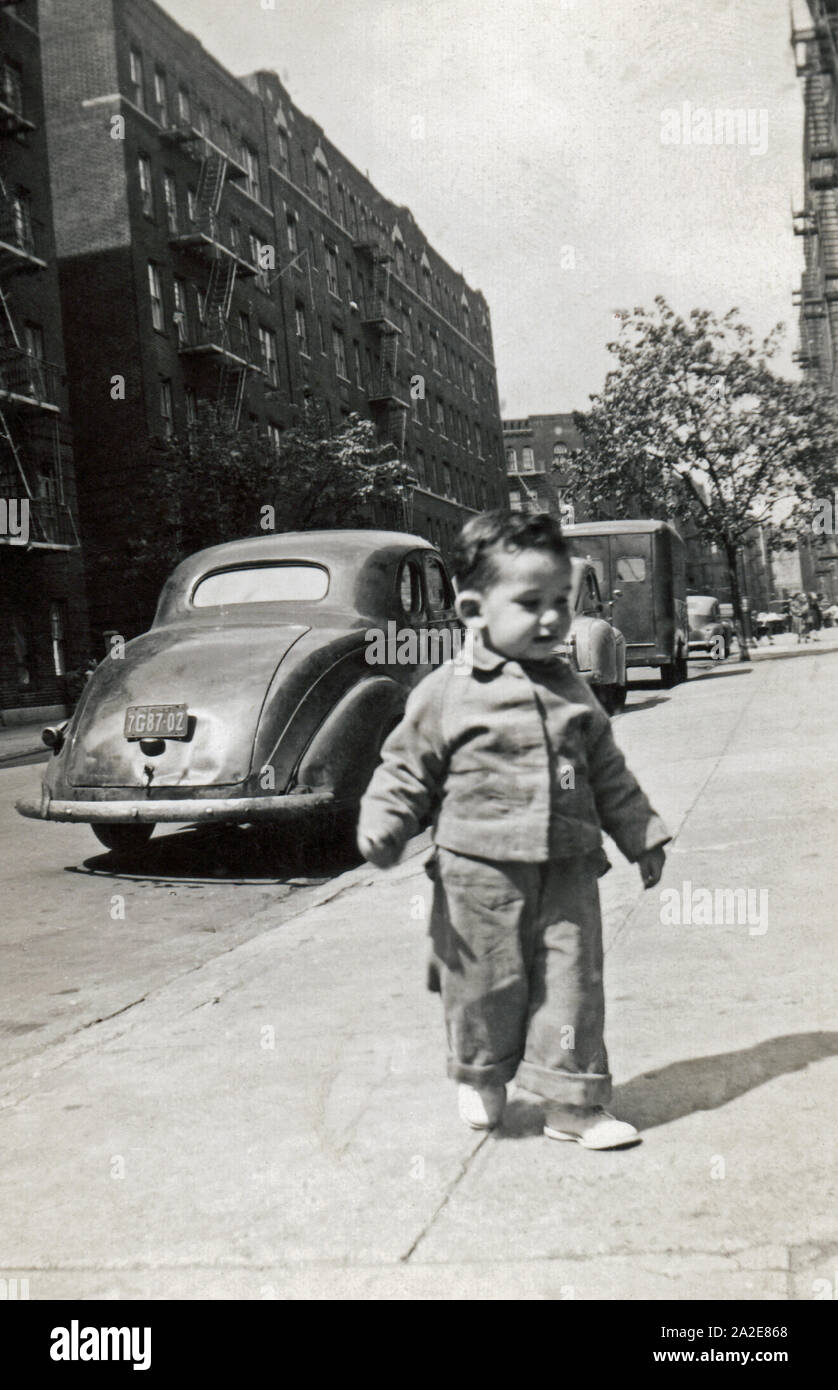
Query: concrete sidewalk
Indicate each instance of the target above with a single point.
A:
(277, 1122)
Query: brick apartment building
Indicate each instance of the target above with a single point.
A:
(170, 177)
(535, 447)
(43, 617)
(815, 49)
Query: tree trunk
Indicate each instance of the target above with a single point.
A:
(733, 574)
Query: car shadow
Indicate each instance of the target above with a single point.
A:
(682, 1088)
(641, 704)
(715, 672)
(232, 853)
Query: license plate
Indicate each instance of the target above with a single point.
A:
(156, 721)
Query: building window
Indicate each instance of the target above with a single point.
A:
(312, 248)
(301, 327)
(262, 278)
(332, 270)
(146, 191)
(527, 460)
(399, 249)
(191, 206)
(321, 335)
(447, 483)
(473, 383)
(235, 234)
(407, 330)
(167, 414)
(180, 314)
(514, 500)
(267, 342)
(440, 417)
(184, 106)
(466, 321)
(293, 241)
(155, 290)
(274, 436)
(446, 366)
(170, 200)
(11, 87)
(250, 160)
(282, 153)
(191, 407)
(244, 334)
(478, 440)
(306, 175)
(322, 176)
(359, 371)
(353, 216)
(339, 352)
(420, 466)
(160, 99)
(426, 284)
(136, 81)
(434, 351)
(350, 293)
(511, 461)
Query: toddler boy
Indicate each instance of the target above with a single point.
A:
(515, 758)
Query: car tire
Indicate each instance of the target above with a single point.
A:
(606, 697)
(123, 840)
(682, 669)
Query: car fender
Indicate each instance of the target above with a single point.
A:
(596, 650)
(344, 752)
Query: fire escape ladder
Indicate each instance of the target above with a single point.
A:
(209, 191)
(231, 392)
(219, 297)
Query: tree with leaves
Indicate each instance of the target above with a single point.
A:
(218, 482)
(693, 425)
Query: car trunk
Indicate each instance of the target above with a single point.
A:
(221, 674)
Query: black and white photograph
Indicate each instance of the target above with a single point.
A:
(418, 634)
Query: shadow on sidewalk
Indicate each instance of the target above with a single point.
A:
(698, 1083)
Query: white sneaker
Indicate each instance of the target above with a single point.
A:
(481, 1106)
(590, 1126)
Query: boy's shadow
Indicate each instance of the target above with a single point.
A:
(698, 1083)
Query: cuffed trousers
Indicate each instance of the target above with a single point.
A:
(518, 948)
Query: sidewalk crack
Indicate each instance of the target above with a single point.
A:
(437, 1212)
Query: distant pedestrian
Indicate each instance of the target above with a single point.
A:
(815, 615)
(799, 610)
(515, 759)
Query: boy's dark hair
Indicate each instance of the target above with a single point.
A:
(472, 558)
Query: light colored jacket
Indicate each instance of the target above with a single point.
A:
(517, 761)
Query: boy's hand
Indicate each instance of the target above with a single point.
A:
(383, 853)
(651, 865)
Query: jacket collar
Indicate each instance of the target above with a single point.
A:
(483, 659)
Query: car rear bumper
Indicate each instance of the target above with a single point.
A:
(233, 808)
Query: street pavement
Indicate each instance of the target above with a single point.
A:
(276, 1123)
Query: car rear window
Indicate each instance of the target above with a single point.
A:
(281, 583)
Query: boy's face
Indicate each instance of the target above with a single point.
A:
(523, 612)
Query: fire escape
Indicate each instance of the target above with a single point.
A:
(387, 395)
(816, 62)
(201, 233)
(30, 440)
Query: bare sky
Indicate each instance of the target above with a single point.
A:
(542, 173)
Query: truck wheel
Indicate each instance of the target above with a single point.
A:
(681, 668)
(606, 697)
(124, 840)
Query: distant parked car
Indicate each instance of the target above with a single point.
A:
(252, 696)
(595, 648)
(709, 633)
